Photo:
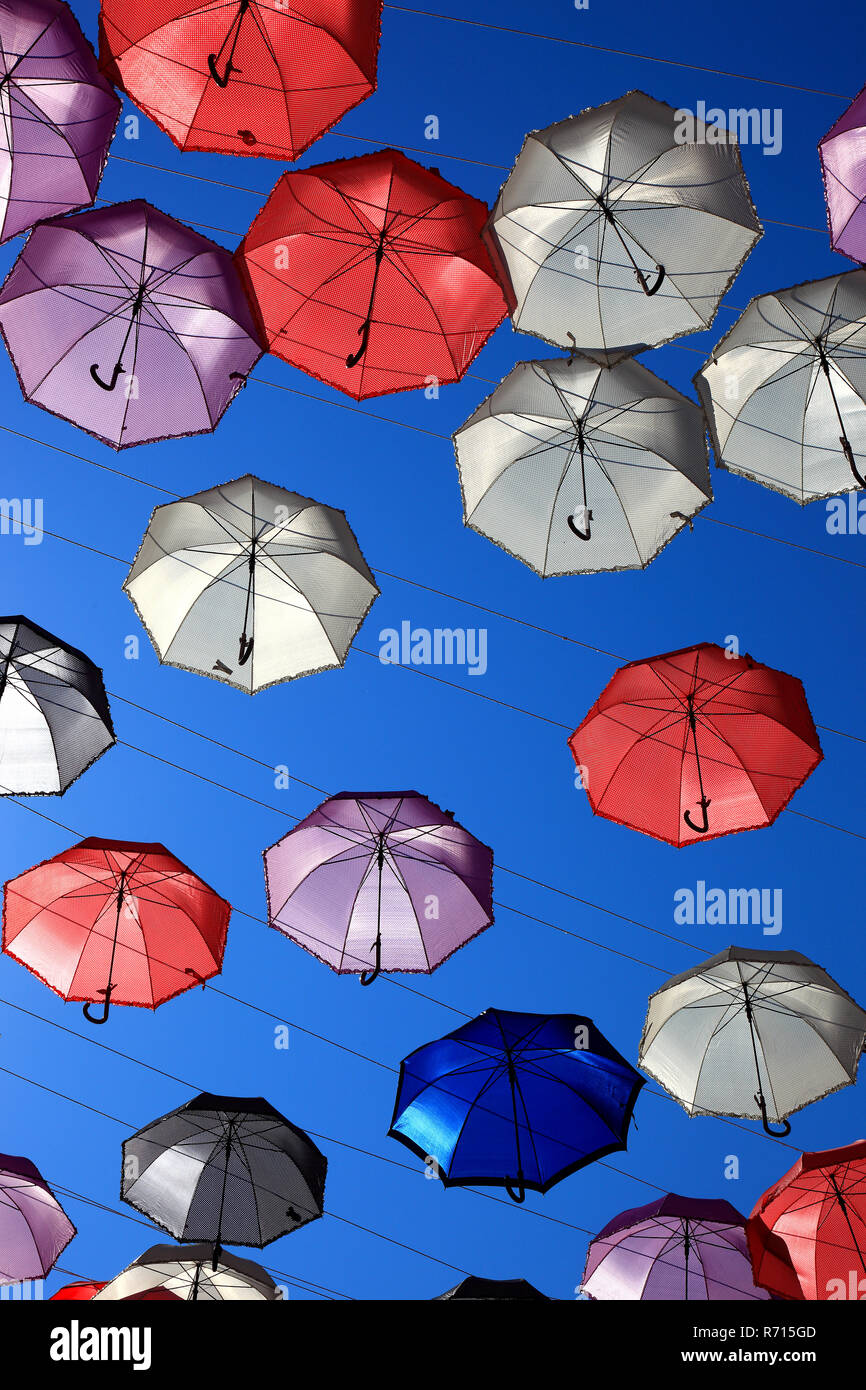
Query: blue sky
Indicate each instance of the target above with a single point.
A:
(507, 776)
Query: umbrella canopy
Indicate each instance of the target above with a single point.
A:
(185, 1272)
(57, 114)
(379, 881)
(117, 922)
(54, 714)
(843, 164)
(672, 1248)
(672, 735)
(476, 1288)
(128, 324)
(224, 1168)
(807, 1234)
(756, 1034)
(785, 389)
(34, 1228)
(576, 468)
(370, 274)
(620, 230)
(76, 1293)
(515, 1100)
(250, 584)
(255, 77)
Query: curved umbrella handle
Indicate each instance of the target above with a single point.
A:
(245, 649)
(368, 976)
(773, 1133)
(648, 289)
(852, 462)
(699, 829)
(354, 357)
(115, 376)
(220, 81)
(582, 535)
(517, 1190)
(103, 1017)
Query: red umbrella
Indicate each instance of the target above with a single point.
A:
(76, 1292)
(116, 922)
(807, 1235)
(370, 274)
(249, 77)
(696, 743)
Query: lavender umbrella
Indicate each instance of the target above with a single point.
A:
(673, 1248)
(380, 878)
(127, 292)
(843, 162)
(34, 1228)
(57, 114)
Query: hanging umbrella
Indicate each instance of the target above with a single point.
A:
(128, 324)
(672, 1248)
(619, 234)
(370, 274)
(76, 1293)
(785, 389)
(756, 1034)
(57, 115)
(34, 1228)
(377, 881)
(515, 1100)
(116, 922)
(250, 584)
(186, 1272)
(54, 714)
(843, 165)
(576, 468)
(475, 1288)
(807, 1234)
(223, 1168)
(249, 77)
(696, 728)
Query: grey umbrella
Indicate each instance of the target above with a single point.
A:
(187, 1272)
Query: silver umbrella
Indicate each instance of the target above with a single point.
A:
(187, 1272)
(756, 1034)
(250, 584)
(785, 389)
(576, 468)
(617, 231)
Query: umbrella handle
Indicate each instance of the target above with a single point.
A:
(582, 535)
(103, 1018)
(773, 1133)
(852, 462)
(115, 375)
(648, 289)
(354, 357)
(217, 1251)
(699, 829)
(516, 1191)
(245, 650)
(368, 976)
(220, 81)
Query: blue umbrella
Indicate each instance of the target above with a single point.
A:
(515, 1100)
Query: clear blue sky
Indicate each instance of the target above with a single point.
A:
(507, 776)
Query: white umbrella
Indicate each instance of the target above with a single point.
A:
(785, 389)
(576, 468)
(250, 584)
(617, 231)
(187, 1272)
(756, 1034)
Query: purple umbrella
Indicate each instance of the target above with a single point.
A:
(34, 1228)
(128, 324)
(843, 161)
(673, 1248)
(57, 114)
(380, 879)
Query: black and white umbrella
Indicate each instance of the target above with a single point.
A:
(54, 714)
(622, 227)
(577, 468)
(224, 1169)
(187, 1272)
(250, 584)
(785, 389)
(756, 1034)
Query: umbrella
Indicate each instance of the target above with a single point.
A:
(54, 714)
(370, 274)
(697, 727)
(224, 1168)
(843, 164)
(619, 234)
(115, 921)
(76, 1293)
(127, 324)
(744, 1019)
(576, 468)
(34, 1228)
(672, 1248)
(475, 1288)
(807, 1234)
(250, 584)
(57, 115)
(259, 77)
(186, 1272)
(515, 1100)
(384, 879)
(785, 389)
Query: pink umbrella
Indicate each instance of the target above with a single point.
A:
(34, 1228)
(843, 161)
